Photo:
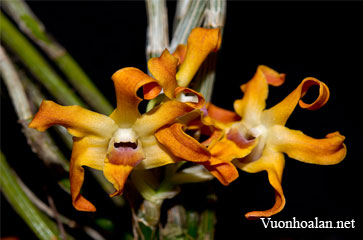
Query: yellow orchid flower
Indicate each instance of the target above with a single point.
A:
(114, 144)
(274, 139)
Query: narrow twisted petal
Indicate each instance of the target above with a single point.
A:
(181, 144)
(297, 145)
(78, 121)
(163, 69)
(273, 162)
(201, 43)
(282, 111)
(127, 81)
(89, 152)
(252, 104)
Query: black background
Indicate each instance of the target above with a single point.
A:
(301, 39)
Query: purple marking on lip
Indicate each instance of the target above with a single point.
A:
(241, 141)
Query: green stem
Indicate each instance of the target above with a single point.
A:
(34, 29)
(36, 63)
(41, 225)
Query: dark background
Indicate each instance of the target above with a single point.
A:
(301, 39)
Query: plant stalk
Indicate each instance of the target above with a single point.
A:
(34, 29)
(37, 64)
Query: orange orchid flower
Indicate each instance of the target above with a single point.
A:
(267, 127)
(118, 143)
(124, 140)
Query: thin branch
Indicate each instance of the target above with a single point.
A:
(62, 232)
(40, 224)
(47, 210)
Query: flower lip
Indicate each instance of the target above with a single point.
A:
(125, 145)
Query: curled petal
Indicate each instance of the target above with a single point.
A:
(190, 97)
(273, 162)
(164, 114)
(282, 111)
(225, 172)
(86, 152)
(252, 104)
(79, 122)
(182, 145)
(163, 68)
(180, 53)
(127, 81)
(201, 42)
(297, 145)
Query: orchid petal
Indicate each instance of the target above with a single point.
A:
(201, 42)
(86, 152)
(297, 145)
(180, 53)
(79, 122)
(127, 81)
(226, 150)
(225, 172)
(222, 115)
(282, 111)
(164, 114)
(181, 144)
(197, 98)
(163, 68)
(156, 155)
(273, 162)
(252, 104)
